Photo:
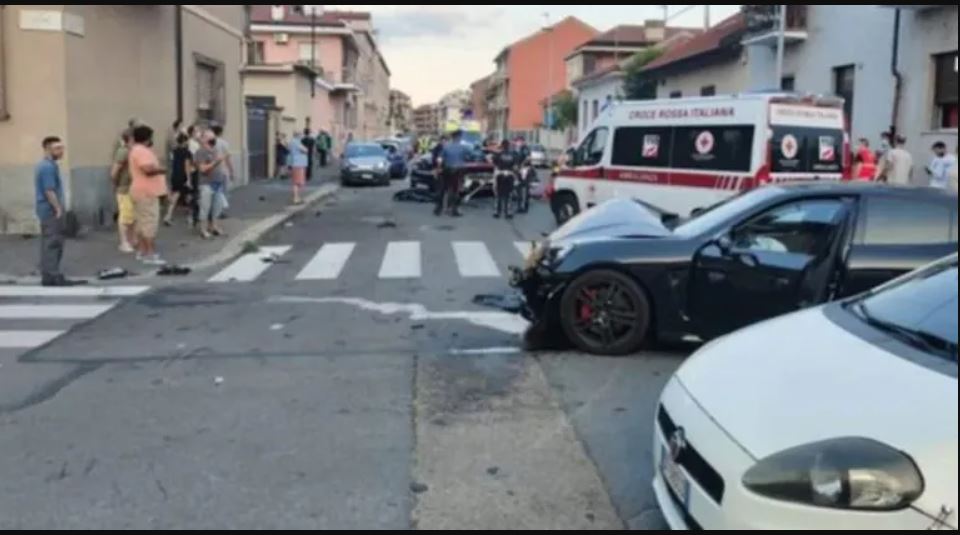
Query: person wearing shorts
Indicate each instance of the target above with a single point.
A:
(120, 174)
(299, 161)
(148, 185)
(212, 172)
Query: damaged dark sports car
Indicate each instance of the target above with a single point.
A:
(622, 274)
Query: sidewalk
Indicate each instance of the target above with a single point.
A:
(255, 209)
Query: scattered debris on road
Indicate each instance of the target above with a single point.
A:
(218, 381)
(415, 195)
(511, 303)
(112, 274)
(418, 488)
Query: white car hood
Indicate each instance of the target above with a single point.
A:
(801, 379)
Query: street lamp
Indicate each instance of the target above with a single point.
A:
(314, 11)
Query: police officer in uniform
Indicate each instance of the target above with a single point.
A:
(453, 158)
(506, 162)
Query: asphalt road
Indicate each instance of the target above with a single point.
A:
(348, 383)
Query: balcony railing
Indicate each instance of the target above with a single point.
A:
(763, 24)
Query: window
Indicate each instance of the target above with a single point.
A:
(308, 53)
(676, 94)
(708, 91)
(891, 221)
(257, 53)
(803, 228)
(642, 147)
(788, 83)
(585, 117)
(211, 90)
(843, 86)
(715, 148)
(592, 149)
(946, 90)
(596, 109)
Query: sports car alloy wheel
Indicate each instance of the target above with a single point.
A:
(605, 313)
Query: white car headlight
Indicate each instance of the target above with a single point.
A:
(849, 473)
(382, 165)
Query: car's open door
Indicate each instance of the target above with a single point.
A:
(766, 265)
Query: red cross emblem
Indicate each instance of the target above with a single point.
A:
(705, 143)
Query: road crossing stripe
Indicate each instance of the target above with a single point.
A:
(77, 291)
(474, 260)
(53, 312)
(250, 266)
(328, 263)
(525, 248)
(402, 261)
(27, 339)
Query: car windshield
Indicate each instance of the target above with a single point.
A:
(365, 151)
(537, 148)
(920, 310)
(473, 138)
(718, 214)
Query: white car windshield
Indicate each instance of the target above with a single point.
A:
(920, 310)
(716, 215)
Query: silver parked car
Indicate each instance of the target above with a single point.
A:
(365, 164)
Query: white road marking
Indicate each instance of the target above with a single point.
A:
(53, 312)
(27, 339)
(401, 261)
(250, 266)
(328, 263)
(525, 248)
(474, 260)
(487, 351)
(77, 291)
(500, 321)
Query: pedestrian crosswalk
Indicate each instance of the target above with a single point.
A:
(32, 316)
(396, 261)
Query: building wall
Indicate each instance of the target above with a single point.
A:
(731, 76)
(835, 41)
(537, 69)
(374, 98)
(924, 34)
(36, 108)
(329, 52)
(608, 87)
(88, 86)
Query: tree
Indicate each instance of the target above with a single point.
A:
(638, 85)
(565, 111)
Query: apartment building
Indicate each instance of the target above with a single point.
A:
(478, 102)
(426, 120)
(82, 72)
(529, 71)
(401, 113)
(351, 97)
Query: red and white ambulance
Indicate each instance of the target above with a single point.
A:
(681, 155)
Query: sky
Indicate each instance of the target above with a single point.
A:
(435, 49)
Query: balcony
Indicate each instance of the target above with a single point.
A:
(763, 24)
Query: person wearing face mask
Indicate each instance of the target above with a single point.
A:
(212, 172)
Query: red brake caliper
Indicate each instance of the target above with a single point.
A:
(586, 311)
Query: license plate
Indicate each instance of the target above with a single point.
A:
(675, 479)
(366, 176)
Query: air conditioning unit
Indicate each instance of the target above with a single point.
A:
(281, 38)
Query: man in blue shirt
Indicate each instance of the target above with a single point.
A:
(50, 212)
(453, 158)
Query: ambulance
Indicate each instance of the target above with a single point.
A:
(680, 156)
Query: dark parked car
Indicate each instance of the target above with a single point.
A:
(365, 163)
(397, 159)
(617, 275)
(422, 170)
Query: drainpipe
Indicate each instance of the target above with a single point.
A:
(4, 115)
(897, 75)
(178, 52)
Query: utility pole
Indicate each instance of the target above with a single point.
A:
(706, 17)
(781, 44)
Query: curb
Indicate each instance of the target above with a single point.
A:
(233, 248)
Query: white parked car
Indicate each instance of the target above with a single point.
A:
(842, 417)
